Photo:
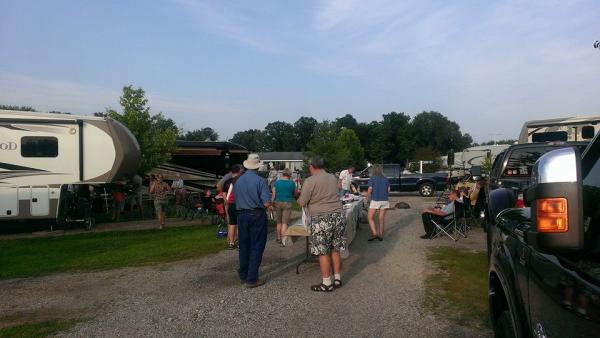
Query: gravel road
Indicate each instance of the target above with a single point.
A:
(381, 297)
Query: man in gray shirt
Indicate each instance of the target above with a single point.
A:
(440, 216)
(327, 222)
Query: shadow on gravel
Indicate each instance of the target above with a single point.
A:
(364, 253)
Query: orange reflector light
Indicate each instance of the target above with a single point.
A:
(552, 215)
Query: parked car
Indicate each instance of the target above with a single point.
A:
(512, 170)
(425, 184)
(544, 267)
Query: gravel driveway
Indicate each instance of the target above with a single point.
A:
(381, 296)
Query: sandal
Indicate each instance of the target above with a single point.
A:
(337, 283)
(322, 288)
(372, 238)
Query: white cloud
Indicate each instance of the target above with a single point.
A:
(233, 24)
(76, 98)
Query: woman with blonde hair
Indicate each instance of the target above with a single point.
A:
(378, 194)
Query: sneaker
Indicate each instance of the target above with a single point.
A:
(256, 284)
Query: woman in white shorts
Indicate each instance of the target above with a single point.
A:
(378, 194)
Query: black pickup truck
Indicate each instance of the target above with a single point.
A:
(425, 184)
(512, 167)
(544, 258)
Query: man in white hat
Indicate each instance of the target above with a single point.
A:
(252, 198)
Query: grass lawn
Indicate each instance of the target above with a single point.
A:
(105, 250)
(458, 290)
(34, 330)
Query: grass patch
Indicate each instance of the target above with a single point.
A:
(105, 250)
(40, 329)
(458, 289)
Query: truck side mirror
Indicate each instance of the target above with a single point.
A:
(555, 195)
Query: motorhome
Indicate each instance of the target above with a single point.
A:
(40, 153)
(475, 156)
(579, 128)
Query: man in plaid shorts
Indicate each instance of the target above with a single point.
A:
(327, 222)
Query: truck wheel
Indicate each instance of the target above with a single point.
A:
(426, 189)
(504, 327)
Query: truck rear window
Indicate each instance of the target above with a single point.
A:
(521, 160)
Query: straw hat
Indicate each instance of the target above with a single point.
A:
(253, 162)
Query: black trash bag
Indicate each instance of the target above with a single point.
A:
(402, 205)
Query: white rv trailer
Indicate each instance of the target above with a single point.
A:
(579, 128)
(476, 155)
(41, 152)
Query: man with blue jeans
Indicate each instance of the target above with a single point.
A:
(252, 198)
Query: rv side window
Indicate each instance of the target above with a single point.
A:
(39, 146)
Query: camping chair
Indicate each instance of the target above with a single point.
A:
(193, 206)
(445, 229)
(460, 217)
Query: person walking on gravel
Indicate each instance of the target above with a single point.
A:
(327, 223)
(159, 190)
(283, 197)
(378, 193)
(252, 198)
(229, 197)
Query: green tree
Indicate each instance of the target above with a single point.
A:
(251, 139)
(432, 129)
(391, 140)
(304, 129)
(338, 149)
(492, 142)
(204, 134)
(155, 134)
(346, 121)
(18, 108)
(279, 136)
(352, 153)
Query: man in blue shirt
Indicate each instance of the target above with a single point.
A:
(252, 197)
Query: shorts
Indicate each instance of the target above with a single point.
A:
(160, 206)
(327, 233)
(136, 199)
(379, 205)
(232, 214)
(120, 205)
(283, 211)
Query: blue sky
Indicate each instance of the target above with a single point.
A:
(235, 65)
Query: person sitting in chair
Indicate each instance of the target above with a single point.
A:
(442, 215)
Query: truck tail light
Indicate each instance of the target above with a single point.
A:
(520, 201)
(552, 215)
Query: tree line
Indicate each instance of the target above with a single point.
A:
(395, 138)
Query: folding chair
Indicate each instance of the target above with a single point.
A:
(460, 217)
(445, 229)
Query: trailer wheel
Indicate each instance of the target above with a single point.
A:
(426, 189)
(90, 223)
